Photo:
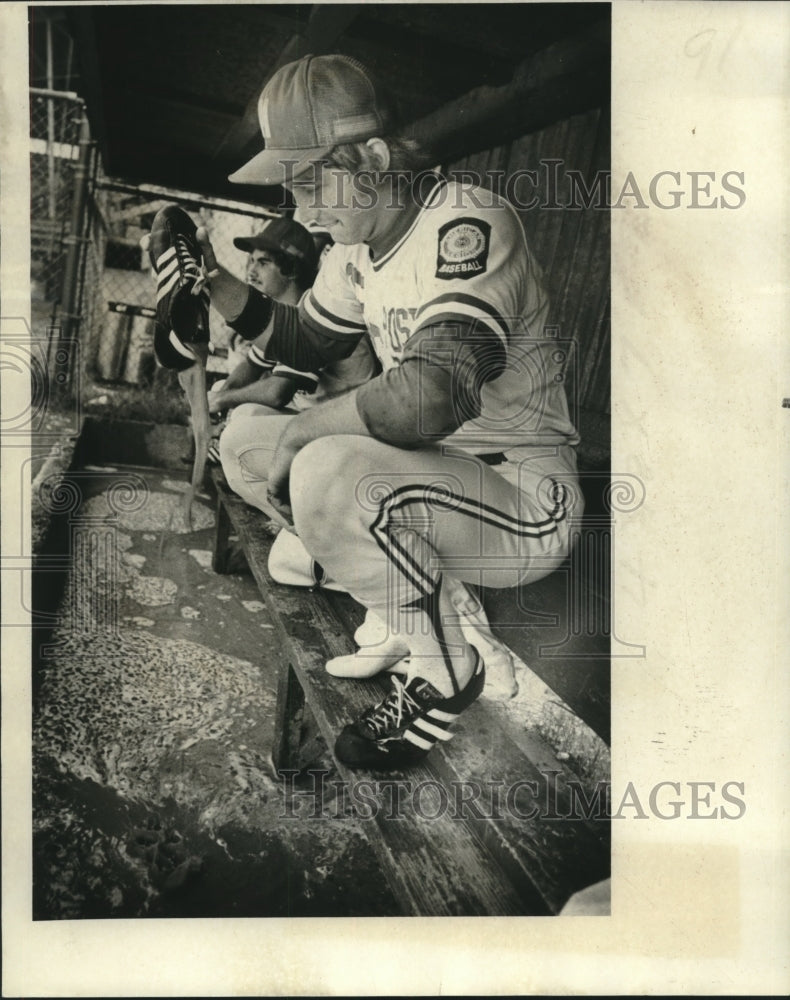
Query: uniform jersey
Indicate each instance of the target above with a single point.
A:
(464, 260)
(314, 386)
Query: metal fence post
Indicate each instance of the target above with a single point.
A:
(63, 367)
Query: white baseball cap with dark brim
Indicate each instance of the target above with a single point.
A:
(307, 108)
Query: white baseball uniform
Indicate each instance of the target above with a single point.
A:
(456, 312)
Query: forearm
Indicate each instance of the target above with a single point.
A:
(435, 389)
(243, 374)
(410, 406)
(335, 416)
(268, 391)
(228, 294)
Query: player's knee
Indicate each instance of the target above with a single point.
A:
(240, 412)
(246, 410)
(229, 441)
(321, 486)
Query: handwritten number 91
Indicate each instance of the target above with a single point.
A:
(704, 45)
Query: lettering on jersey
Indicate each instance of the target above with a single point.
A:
(354, 274)
(463, 248)
(398, 324)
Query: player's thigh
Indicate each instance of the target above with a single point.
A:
(473, 517)
(486, 528)
(499, 530)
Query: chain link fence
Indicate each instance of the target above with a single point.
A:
(91, 283)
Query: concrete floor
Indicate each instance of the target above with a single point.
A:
(153, 791)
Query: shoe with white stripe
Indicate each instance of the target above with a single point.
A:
(406, 725)
(182, 297)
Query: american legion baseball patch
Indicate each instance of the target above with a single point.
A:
(463, 248)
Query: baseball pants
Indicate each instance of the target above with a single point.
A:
(385, 522)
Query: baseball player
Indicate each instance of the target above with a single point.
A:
(456, 462)
(276, 272)
(282, 263)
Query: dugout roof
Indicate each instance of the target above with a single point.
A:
(171, 90)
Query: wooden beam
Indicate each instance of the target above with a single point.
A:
(568, 77)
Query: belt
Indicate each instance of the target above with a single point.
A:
(496, 458)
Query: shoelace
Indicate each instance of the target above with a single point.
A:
(190, 267)
(390, 711)
(202, 279)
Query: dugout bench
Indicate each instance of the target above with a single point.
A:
(487, 825)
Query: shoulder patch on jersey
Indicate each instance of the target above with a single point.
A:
(463, 248)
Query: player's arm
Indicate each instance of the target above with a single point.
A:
(470, 281)
(307, 337)
(228, 293)
(243, 374)
(275, 391)
(435, 389)
(246, 374)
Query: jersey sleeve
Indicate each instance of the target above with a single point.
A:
(306, 381)
(325, 327)
(331, 308)
(474, 265)
(256, 355)
(255, 316)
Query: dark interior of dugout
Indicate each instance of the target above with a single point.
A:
(518, 94)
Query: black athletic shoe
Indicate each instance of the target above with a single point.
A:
(182, 298)
(402, 728)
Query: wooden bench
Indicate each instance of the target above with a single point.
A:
(485, 826)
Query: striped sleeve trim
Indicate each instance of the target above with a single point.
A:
(330, 321)
(465, 307)
(305, 380)
(257, 357)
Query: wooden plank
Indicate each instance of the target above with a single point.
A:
(289, 715)
(557, 850)
(219, 556)
(433, 864)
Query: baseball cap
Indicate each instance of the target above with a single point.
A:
(308, 107)
(284, 236)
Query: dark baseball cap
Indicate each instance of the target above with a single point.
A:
(283, 236)
(308, 107)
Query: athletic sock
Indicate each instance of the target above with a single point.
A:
(439, 653)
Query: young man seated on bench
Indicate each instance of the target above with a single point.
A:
(458, 461)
